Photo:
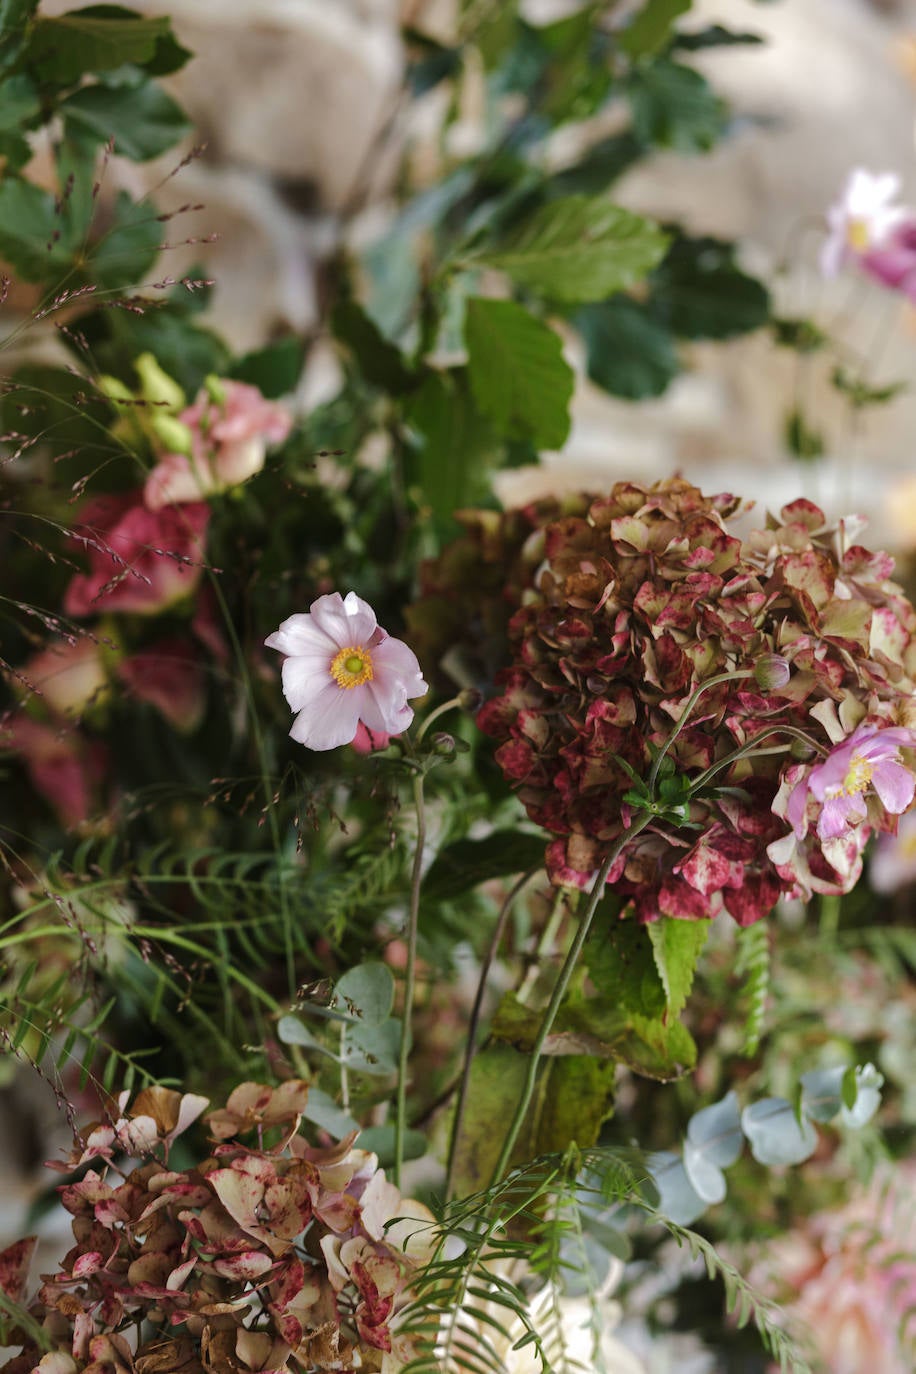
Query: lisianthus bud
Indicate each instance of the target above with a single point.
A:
(175, 435)
(772, 672)
(156, 386)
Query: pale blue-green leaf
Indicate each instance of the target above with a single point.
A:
(291, 1031)
(372, 1049)
(584, 1264)
(775, 1134)
(822, 1092)
(323, 1111)
(380, 1140)
(579, 248)
(706, 1178)
(716, 1131)
(869, 1083)
(366, 993)
(678, 1199)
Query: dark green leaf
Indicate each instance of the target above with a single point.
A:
(698, 292)
(95, 39)
(802, 335)
(32, 238)
(129, 248)
(621, 963)
(467, 863)
(715, 36)
(14, 18)
(47, 402)
(143, 120)
(579, 249)
(800, 439)
(19, 103)
(650, 28)
(183, 349)
(629, 353)
(457, 445)
(434, 62)
(600, 167)
(518, 375)
(380, 362)
(675, 107)
(677, 946)
(274, 370)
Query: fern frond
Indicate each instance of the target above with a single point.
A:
(754, 949)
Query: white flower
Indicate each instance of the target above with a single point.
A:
(342, 668)
(862, 218)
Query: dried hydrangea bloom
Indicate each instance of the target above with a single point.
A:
(635, 605)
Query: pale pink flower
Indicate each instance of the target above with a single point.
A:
(862, 218)
(68, 677)
(227, 439)
(342, 668)
(63, 766)
(838, 790)
(168, 675)
(139, 560)
(893, 261)
(367, 741)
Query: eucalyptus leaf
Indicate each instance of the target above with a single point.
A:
(578, 248)
(365, 993)
(678, 1199)
(776, 1135)
(868, 1085)
(706, 1178)
(324, 1112)
(716, 1130)
(380, 1140)
(372, 1049)
(822, 1092)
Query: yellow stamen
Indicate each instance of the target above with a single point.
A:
(857, 235)
(351, 667)
(858, 777)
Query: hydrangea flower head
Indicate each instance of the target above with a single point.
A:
(867, 763)
(862, 218)
(341, 668)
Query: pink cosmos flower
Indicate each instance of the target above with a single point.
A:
(139, 560)
(228, 441)
(341, 669)
(893, 260)
(867, 762)
(862, 218)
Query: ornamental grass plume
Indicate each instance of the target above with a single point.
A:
(263, 1255)
(647, 598)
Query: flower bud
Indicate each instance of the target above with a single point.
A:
(174, 435)
(771, 672)
(443, 744)
(156, 386)
(469, 698)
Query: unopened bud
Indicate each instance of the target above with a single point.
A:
(174, 435)
(469, 699)
(771, 672)
(156, 386)
(443, 744)
(215, 388)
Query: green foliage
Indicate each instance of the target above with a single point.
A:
(518, 375)
(467, 863)
(699, 292)
(630, 353)
(141, 119)
(274, 370)
(577, 249)
(674, 107)
(754, 965)
(456, 443)
(649, 31)
(100, 38)
(677, 946)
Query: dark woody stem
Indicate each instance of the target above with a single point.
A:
(559, 992)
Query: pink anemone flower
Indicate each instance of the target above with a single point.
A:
(341, 669)
(861, 219)
(867, 762)
(893, 262)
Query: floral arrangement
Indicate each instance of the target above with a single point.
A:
(378, 973)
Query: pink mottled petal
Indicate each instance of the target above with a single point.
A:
(837, 815)
(330, 719)
(346, 620)
(299, 634)
(796, 809)
(895, 786)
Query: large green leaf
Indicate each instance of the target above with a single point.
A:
(100, 38)
(32, 237)
(675, 107)
(579, 249)
(699, 292)
(467, 863)
(14, 18)
(274, 370)
(629, 353)
(519, 377)
(19, 102)
(142, 120)
(677, 946)
(129, 247)
(621, 963)
(601, 165)
(650, 28)
(379, 360)
(456, 445)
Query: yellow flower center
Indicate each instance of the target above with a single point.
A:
(858, 777)
(857, 235)
(351, 667)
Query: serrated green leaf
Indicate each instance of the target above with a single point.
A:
(467, 863)
(97, 38)
(621, 963)
(630, 354)
(677, 946)
(456, 445)
(129, 248)
(14, 19)
(518, 375)
(274, 370)
(699, 292)
(142, 120)
(32, 232)
(650, 28)
(675, 107)
(578, 249)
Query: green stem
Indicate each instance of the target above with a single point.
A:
(703, 687)
(559, 992)
(409, 979)
(434, 715)
(745, 750)
(471, 1046)
(829, 914)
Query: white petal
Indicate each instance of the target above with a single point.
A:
(345, 620)
(300, 635)
(330, 719)
(389, 714)
(304, 676)
(396, 658)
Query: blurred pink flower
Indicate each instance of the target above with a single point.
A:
(64, 767)
(868, 761)
(168, 675)
(862, 218)
(68, 677)
(341, 669)
(893, 862)
(139, 560)
(367, 741)
(228, 441)
(893, 261)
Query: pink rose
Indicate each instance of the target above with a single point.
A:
(139, 560)
(228, 442)
(64, 767)
(168, 675)
(66, 677)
